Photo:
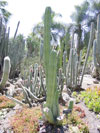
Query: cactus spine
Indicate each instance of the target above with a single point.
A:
(6, 71)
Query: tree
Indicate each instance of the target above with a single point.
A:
(3, 12)
(79, 18)
(57, 29)
(94, 11)
(33, 45)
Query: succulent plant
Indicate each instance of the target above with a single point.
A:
(88, 50)
(73, 66)
(16, 52)
(51, 107)
(4, 39)
(6, 71)
(96, 47)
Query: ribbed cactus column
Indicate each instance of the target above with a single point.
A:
(64, 62)
(88, 50)
(47, 26)
(96, 46)
(6, 71)
(51, 107)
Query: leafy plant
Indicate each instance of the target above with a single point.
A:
(91, 98)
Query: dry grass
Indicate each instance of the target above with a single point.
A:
(6, 103)
(26, 120)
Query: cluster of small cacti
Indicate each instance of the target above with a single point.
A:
(35, 84)
(6, 71)
(16, 52)
(72, 70)
(39, 86)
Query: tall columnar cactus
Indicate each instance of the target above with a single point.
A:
(16, 51)
(47, 37)
(72, 67)
(96, 47)
(4, 38)
(41, 51)
(64, 62)
(6, 71)
(51, 107)
(88, 50)
(61, 53)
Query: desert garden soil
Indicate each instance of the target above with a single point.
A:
(91, 119)
(5, 116)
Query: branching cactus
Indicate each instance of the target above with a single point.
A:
(72, 67)
(96, 47)
(6, 71)
(34, 86)
(51, 107)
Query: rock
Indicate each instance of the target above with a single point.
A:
(7, 84)
(95, 73)
(18, 91)
(17, 107)
(87, 70)
(75, 129)
(0, 113)
(11, 90)
(19, 82)
(98, 127)
(34, 104)
(65, 97)
(42, 129)
(96, 82)
(67, 111)
(65, 128)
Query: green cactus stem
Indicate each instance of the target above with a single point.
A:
(52, 92)
(51, 107)
(64, 62)
(41, 51)
(96, 64)
(6, 71)
(70, 106)
(47, 26)
(96, 46)
(88, 50)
